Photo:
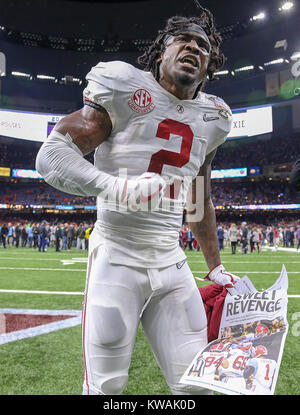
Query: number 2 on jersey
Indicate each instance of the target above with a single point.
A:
(171, 158)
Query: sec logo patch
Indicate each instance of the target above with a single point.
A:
(141, 101)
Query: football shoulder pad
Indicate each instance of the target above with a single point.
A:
(113, 75)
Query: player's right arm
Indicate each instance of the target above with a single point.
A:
(88, 128)
(61, 162)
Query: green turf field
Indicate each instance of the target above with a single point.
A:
(52, 364)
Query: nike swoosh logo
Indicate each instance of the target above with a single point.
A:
(206, 118)
(148, 198)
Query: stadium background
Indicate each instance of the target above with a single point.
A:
(47, 48)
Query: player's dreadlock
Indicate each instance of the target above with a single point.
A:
(176, 23)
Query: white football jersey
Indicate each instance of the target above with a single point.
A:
(211, 362)
(236, 364)
(152, 130)
(263, 376)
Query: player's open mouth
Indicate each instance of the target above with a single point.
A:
(189, 60)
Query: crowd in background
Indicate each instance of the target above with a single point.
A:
(248, 193)
(257, 153)
(248, 238)
(41, 236)
(39, 194)
(226, 194)
(12, 155)
(235, 153)
(66, 235)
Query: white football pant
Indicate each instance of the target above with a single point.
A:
(166, 301)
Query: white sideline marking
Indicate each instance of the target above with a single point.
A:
(248, 262)
(84, 270)
(79, 259)
(42, 292)
(282, 249)
(75, 293)
(73, 321)
(248, 272)
(46, 269)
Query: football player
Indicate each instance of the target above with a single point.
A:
(260, 370)
(150, 129)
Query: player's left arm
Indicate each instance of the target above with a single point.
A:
(205, 231)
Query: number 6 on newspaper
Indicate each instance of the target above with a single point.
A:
(246, 356)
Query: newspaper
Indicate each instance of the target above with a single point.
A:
(246, 357)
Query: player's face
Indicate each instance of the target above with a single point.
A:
(183, 64)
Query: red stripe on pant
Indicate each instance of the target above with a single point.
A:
(83, 323)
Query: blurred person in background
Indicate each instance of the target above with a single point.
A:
(220, 234)
(36, 232)
(226, 237)
(288, 237)
(43, 237)
(80, 235)
(52, 239)
(30, 235)
(263, 236)
(64, 231)
(10, 236)
(292, 237)
(244, 238)
(276, 238)
(17, 235)
(271, 236)
(70, 235)
(3, 234)
(88, 232)
(58, 237)
(24, 236)
(254, 240)
(189, 239)
(233, 237)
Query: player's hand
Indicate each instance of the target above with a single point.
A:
(220, 276)
(143, 193)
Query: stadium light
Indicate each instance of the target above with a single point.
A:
(259, 16)
(21, 74)
(222, 73)
(244, 68)
(274, 62)
(288, 5)
(47, 77)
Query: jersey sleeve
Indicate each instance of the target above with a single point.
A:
(219, 130)
(107, 86)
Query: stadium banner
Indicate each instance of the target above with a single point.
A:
(267, 207)
(34, 126)
(229, 173)
(27, 125)
(253, 121)
(26, 174)
(246, 357)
